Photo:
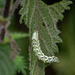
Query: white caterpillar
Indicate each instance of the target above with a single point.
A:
(38, 52)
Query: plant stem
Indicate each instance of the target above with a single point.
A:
(14, 46)
(14, 7)
(4, 25)
(37, 66)
(3, 28)
(6, 8)
(36, 11)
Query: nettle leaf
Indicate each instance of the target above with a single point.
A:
(20, 65)
(6, 66)
(48, 16)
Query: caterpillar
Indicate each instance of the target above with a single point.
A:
(38, 52)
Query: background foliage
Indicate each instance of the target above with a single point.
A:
(67, 48)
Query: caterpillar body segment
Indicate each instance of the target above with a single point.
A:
(38, 52)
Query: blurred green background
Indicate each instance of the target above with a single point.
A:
(66, 53)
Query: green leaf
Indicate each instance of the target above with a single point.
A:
(15, 36)
(6, 66)
(20, 64)
(48, 16)
(24, 45)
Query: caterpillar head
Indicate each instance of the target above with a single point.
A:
(35, 35)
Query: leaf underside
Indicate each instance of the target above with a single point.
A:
(48, 16)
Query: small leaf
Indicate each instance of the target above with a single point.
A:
(20, 64)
